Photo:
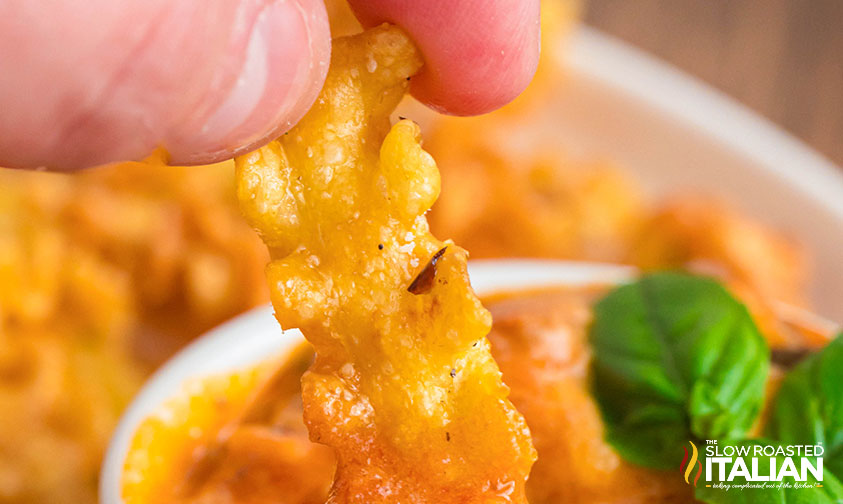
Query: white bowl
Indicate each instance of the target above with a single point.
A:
(666, 128)
(256, 336)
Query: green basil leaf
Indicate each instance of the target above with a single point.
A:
(830, 492)
(809, 405)
(675, 357)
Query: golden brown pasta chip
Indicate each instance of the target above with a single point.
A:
(403, 387)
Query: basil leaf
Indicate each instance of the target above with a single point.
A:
(809, 405)
(830, 492)
(675, 357)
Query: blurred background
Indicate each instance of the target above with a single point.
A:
(782, 58)
(105, 274)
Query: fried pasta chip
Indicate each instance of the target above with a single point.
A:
(403, 387)
(103, 275)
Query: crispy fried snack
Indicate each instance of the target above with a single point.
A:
(403, 387)
(763, 266)
(102, 276)
(692, 230)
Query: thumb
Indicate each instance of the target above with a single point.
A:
(86, 83)
(479, 54)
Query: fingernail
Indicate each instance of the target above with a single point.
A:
(247, 89)
(270, 77)
(284, 56)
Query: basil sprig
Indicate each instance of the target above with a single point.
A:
(675, 357)
(809, 405)
(808, 409)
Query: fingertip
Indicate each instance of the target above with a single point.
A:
(284, 63)
(113, 81)
(141, 78)
(479, 54)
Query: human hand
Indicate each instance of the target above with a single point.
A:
(86, 83)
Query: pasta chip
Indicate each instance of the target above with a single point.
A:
(403, 387)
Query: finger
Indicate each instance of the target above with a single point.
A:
(479, 54)
(86, 83)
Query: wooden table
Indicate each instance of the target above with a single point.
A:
(782, 58)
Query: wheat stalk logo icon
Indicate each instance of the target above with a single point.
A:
(687, 466)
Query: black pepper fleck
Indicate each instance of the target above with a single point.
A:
(380, 246)
(448, 437)
(453, 372)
